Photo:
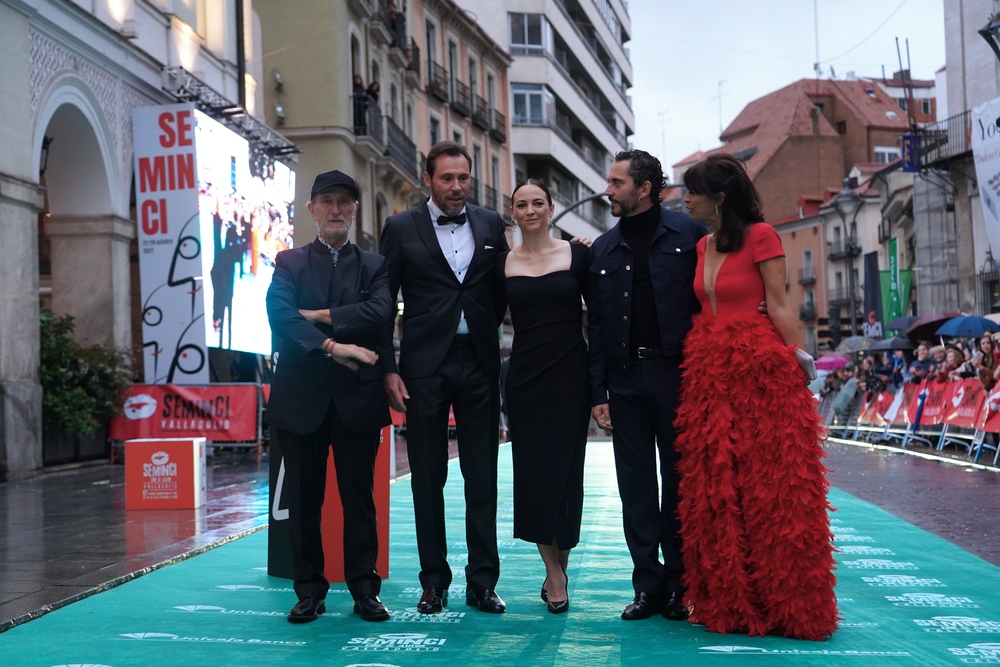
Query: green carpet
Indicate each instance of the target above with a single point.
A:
(907, 598)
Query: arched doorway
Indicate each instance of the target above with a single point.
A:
(85, 231)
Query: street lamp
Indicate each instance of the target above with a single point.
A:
(847, 203)
(991, 33)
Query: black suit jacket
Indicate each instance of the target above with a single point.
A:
(304, 381)
(433, 298)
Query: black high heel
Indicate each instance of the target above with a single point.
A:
(560, 606)
(545, 593)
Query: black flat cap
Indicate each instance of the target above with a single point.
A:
(334, 179)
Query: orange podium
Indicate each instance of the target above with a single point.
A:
(164, 473)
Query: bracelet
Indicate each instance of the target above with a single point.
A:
(328, 346)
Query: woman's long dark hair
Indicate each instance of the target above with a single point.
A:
(742, 205)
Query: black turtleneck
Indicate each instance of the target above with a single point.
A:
(638, 231)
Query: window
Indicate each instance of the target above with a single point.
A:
(807, 262)
(452, 67)
(431, 40)
(526, 32)
(836, 235)
(456, 136)
(925, 107)
(531, 103)
(810, 298)
(495, 172)
(473, 77)
(871, 92)
(902, 103)
(884, 154)
(435, 131)
(477, 162)
(191, 12)
(838, 281)
(841, 127)
(490, 90)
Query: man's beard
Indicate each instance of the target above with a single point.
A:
(624, 210)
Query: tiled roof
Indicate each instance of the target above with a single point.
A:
(768, 122)
(697, 156)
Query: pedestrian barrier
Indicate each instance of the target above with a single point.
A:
(939, 414)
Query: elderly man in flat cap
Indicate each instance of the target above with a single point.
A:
(327, 304)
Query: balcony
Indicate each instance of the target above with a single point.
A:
(842, 249)
(437, 81)
(842, 296)
(480, 113)
(474, 191)
(401, 149)
(394, 24)
(944, 140)
(413, 66)
(459, 98)
(368, 122)
(807, 312)
(807, 276)
(498, 128)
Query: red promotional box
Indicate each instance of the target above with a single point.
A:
(164, 473)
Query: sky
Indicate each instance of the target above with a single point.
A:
(681, 49)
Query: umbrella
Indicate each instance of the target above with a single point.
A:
(924, 327)
(902, 323)
(854, 344)
(967, 325)
(831, 362)
(897, 343)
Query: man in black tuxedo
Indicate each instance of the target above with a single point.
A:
(327, 304)
(442, 254)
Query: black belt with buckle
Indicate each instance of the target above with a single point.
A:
(648, 353)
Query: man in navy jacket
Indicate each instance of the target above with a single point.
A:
(642, 290)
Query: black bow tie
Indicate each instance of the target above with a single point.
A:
(449, 219)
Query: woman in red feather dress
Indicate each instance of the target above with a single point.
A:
(753, 493)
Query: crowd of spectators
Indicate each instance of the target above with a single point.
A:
(879, 371)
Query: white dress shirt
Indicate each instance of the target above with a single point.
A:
(458, 244)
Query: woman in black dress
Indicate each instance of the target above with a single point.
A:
(544, 280)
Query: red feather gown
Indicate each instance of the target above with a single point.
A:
(753, 493)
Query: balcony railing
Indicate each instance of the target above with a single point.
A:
(841, 249)
(807, 312)
(459, 97)
(413, 54)
(490, 198)
(367, 118)
(474, 191)
(944, 140)
(401, 149)
(437, 81)
(842, 295)
(480, 113)
(807, 276)
(498, 128)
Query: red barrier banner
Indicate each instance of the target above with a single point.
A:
(938, 394)
(873, 411)
(221, 413)
(964, 404)
(908, 407)
(989, 416)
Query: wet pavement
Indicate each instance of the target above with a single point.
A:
(65, 533)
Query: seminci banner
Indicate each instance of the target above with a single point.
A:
(214, 211)
(219, 412)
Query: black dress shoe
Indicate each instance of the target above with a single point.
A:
(486, 600)
(370, 608)
(433, 600)
(642, 606)
(308, 609)
(673, 608)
